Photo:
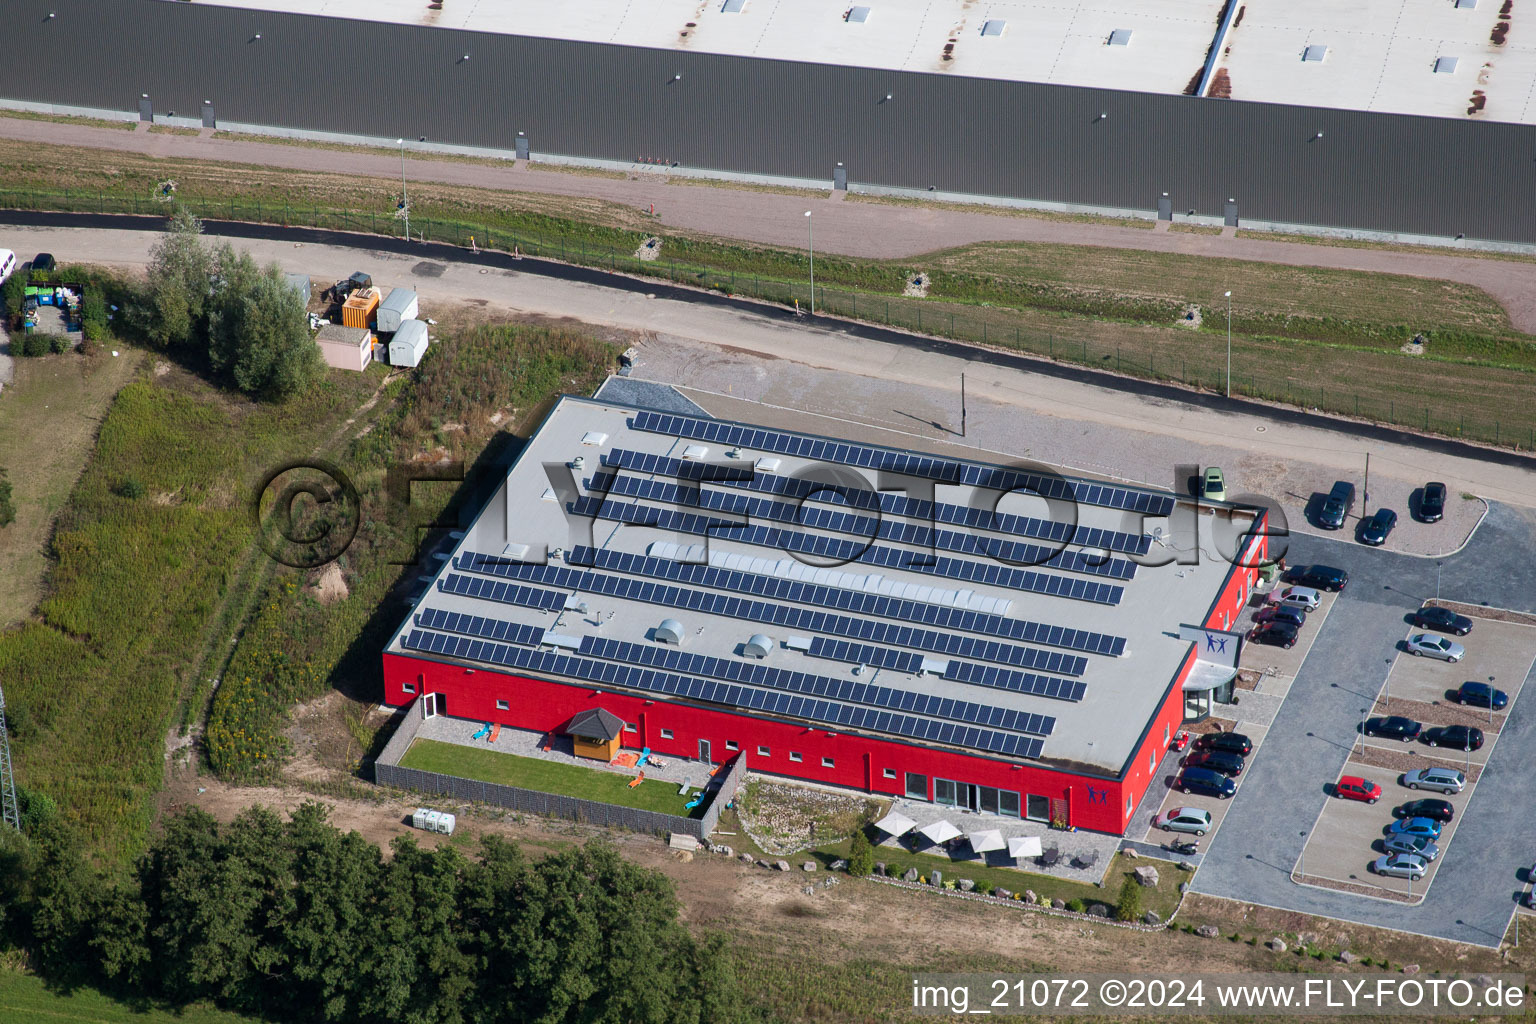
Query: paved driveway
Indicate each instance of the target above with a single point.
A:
(1472, 899)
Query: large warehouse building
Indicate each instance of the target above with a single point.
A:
(999, 638)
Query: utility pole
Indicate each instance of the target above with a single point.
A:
(1365, 492)
(962, 403)
(810, 245)
(10, 812)
(405, 202)
(1229, 344)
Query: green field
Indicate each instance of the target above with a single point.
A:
(547, 777)
(25, 999)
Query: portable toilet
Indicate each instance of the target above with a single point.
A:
(395, 310)
(409, 344)
(300, 284)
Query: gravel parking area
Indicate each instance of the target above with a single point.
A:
(1279, 661)
(1501, 651)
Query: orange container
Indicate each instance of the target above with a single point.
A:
(360, 307)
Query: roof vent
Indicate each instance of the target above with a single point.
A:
(798, 643)
(734, 453)
(993, 27)
(696, 451)
(857, 15)
(1445, 65)
(1314, 53)
(578, 463)
(669, 632)
(732, 6)
(1120, 37)
(595, 438)
(1467, 4)
(757, 646)
(767, 465)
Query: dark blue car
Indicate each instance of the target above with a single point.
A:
(1203, 780)
(1481, 695)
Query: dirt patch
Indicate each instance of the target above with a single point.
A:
(1365, 890)
(1191, 317)
(1443, 712)
(1414, 347)
(1406, 761)
(330, 587)
(917, 286)
(649, 249)
(783, 819)
(1482, 612)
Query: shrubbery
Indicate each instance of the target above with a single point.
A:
(861, 857)
(1129, 907)
(7, 505)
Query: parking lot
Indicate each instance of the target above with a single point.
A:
(1143, 831)
(1347, 835)
(1280, 661)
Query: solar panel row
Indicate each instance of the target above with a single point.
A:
(946, 470)
(1019, 682)
(609, 673)
(806, 619)
(865, 654)
(479, 625)
(944, 616)
(889, 503)
(490, 590)
(757, 674)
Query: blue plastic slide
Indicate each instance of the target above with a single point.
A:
(485, 730)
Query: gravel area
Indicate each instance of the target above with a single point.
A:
(1364, 890)
(1441, 713)
(783, 818)
(1404, 761)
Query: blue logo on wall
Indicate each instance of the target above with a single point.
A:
(1098, 796)
(1216, 643)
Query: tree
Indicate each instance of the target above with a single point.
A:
(258, 336)
(861, 858)
(180, 269)
(1129, 907)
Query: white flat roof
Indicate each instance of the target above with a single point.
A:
(1381, 57)
(1097, 731)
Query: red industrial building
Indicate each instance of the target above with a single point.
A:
(1003, 639)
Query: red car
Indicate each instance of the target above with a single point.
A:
(1353, 787)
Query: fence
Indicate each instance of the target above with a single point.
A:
(388, 772)
(923, 316)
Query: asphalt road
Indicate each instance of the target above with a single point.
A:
(1474, 891)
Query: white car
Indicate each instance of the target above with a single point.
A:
(1300, 597)
(1421, 644)
(1400, 865)
(1440, 780)
(1184, 819)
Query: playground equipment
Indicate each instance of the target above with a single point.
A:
(495, 732)
(645, 753)
(485, 730)
(698, 798)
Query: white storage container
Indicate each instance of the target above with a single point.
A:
(397, 308)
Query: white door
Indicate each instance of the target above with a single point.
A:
(430, 705)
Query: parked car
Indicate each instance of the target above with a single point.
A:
(1458, 737)
(1481, 695)
(1274, 634)
(1337, 506)
(1443, 619)
(1203, 780)
(1427, 827)
(1319, 577)
(1400, 865)
(1213, 486)
(1417, 846)
(1184, 819)
(1432, 502)
(1304, 598)
(1421, 644)
(1236, 742)
(1287, 613)
(1353, 787)
(1394, 727)
(1378, 528)
(7, 264)
(44, 263)
(1441, 780)
(1223, 761)
(1440, 810)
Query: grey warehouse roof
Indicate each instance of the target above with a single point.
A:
(960, 618)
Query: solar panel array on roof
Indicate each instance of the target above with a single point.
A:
(479, 625)
(491, 590)
(849, 600)
(794, 706)
(732, 606)
(946, 470)
(865, 654)
(1019, 682)
(870, 501)
(889, 698)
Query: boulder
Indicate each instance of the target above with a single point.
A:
(1277, 944)
(726, 851)
(1483, 981)
(1185, 865)
(1029, 895)
(1308, 938)
(808, 866)
(1003, 894)
(966, 884)
(910, 876)
(1348, 957)
(809, 890)
(1097, 910)
(1058, 904)
(936, 879)
(1208, 931)
(1130, 854)
(1152, 917)
(1146, 874)
(782, 865)
(879, 867)
(685, 856)
(747, 858)
(839, 865)
(1410, 968)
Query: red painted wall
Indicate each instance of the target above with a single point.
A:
(858, 762)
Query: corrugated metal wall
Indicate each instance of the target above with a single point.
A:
(1439, 176)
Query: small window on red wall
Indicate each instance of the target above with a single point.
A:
(889, 773)
(826, 762)
(666, 734)
(502, 705)
(732, 745)
(408, 687)
(794, 756)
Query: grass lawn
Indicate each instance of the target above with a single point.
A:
(24, 999)
(48, 424)
(547, 777)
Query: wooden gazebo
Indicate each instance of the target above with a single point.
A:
(595, 733)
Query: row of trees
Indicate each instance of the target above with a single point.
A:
(218, 306)
(296, 921)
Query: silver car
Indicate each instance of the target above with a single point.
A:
(1428, 644)
(1304, 598)
(1400, 865)
(1440, 780)
(1418, 846)
(1184, 819)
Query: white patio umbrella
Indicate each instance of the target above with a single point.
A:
(895, 824)
(987, 841)
(1024, 846)
(940, 831)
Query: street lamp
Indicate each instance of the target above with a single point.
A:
(1229, 344)
(810, 240)
(1438, 564)
(1302, 860)
(405, 205)
(1363, 713)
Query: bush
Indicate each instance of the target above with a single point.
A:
(861, 858)
(58, 343)
(1076, 906)
(93, 315)
(1129, 907)
(7, 506)
(130, 488)
(14, 295)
